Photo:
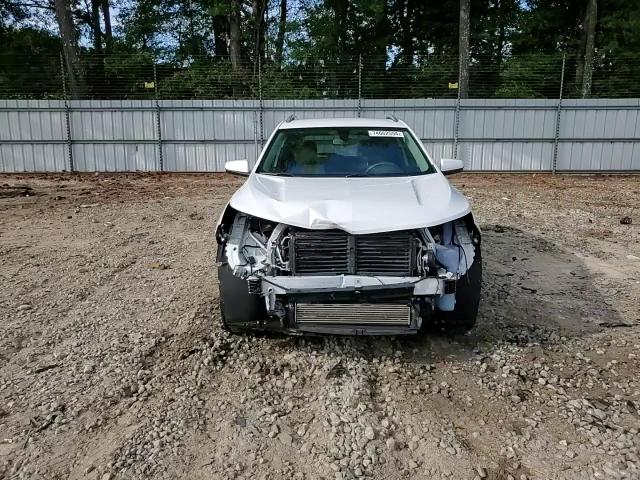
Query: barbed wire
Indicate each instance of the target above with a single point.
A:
(138, 77)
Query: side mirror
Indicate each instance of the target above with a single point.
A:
(238, 167)
(449, 166)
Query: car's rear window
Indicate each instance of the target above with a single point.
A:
(344, 151)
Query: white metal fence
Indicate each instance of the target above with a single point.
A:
(201, 135)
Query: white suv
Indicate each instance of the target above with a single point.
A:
(346, 226)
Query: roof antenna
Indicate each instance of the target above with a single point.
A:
(290, 118)
(392, 117)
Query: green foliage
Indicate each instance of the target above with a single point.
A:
(406, 48)
(206, 78)
(292, 83)
(533, 76)
(29, 64)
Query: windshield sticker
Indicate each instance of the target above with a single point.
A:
(386, 133)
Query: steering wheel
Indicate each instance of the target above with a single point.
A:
(394, 167)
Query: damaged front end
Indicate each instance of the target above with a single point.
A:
(275, 276)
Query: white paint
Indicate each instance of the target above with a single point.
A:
(355, 205)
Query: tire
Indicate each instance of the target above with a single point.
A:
(468, 287)
(239, 310)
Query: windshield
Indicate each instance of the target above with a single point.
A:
(344, 152)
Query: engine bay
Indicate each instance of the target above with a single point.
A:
(255, 247)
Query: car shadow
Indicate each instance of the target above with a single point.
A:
(534, 291)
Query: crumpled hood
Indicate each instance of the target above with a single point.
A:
(355, 205)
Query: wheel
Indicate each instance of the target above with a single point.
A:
(463, 317)
(239, 310)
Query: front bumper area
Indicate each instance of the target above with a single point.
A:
(283, 285)
(351, 304)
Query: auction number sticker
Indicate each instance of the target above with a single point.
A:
(386, 133)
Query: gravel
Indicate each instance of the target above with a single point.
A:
(113, 364)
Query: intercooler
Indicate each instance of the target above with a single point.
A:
(317, 252)
(353, 313)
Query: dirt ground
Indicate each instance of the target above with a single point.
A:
(113, 364)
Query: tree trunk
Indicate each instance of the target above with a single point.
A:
(463, 49)
(95, 25)
(70, 49)
(406, 27)
(191, 47)
(220, 36)
(259, 8)
(589, 47)
(282, 26)
(108, 33)
(340, 10)
(234, 34)
(381, 41)
(501, 33)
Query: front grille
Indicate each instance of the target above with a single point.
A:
(317, 252)
(321, 252)
(385, 254)
(353, 313)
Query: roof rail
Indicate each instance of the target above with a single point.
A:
(392, 117)
(290, 118)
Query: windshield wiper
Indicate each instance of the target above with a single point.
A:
(280, 174)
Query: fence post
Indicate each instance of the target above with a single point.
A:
(456, 128)
(456, 116)
(67, 114)
(359, 85)
(158, 120)
(260, 103)
(558, 117)
(255, 136)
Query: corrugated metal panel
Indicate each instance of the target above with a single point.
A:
(203, 120)
(507, 119)
(40, 121)
(429, 118)
(112, 120)
(116, 157)
(32, 124)
(615, 122)
(109, 135)
(596, 156)
(201, 135)
(439, 150)
(179, 157)
(506, 156)
(33, 158)
(504, 134)
(277, 111)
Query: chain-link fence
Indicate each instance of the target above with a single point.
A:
(139, 76)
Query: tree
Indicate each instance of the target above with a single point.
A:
(235, 35)
(340, 10)
(463, 49)
(220, 22)
(406, 15)
(282, 27)
(29, 63)
(95, 25)
(108, 33)
(258, 8)
(407, 47)
(589, 45)
(70, 49)
(11, 13)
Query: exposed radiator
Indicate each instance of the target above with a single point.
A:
(353, 313)
(336, 252)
